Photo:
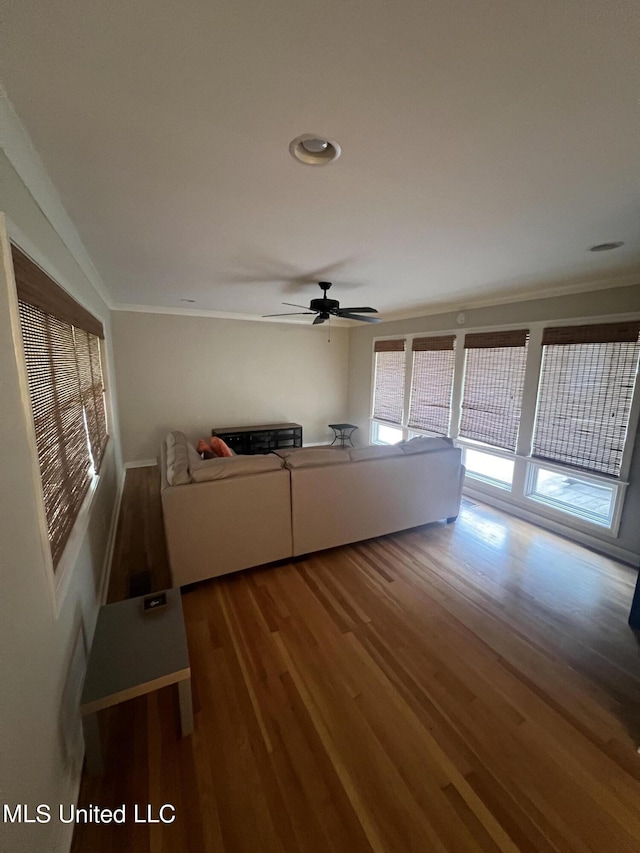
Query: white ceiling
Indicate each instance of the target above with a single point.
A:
(486, 145)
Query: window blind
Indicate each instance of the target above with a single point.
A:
(584, 397)
(388, 394)
(64, 375)
(37, 288)
(432, 383)
(92, 391)
(493, 382)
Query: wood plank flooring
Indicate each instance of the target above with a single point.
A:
(464, 687)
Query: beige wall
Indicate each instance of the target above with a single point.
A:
(42, 653)
(194, 373)
(602, 303)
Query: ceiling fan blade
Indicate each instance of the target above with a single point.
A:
(293, 305)
(348, 316)
(319, 319)
(361, 310)
(289, 314)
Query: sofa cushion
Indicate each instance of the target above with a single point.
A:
(234, 466)
(425, 444)
(374, 451)
(309, 457)
(177, 459)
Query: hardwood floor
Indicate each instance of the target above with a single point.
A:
(464, 687)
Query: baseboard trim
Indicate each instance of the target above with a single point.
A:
(141, 463)
(609, 549)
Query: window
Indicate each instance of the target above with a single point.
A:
(383, 434)
(584, 398)
(556, 444)
(493, 382)
(62, 355)
(495, 470)
(432, 383)
(578, 496)
(388, 393)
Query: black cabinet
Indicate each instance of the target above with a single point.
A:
(264, 438)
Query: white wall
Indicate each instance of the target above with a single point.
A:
(42, 652)
(613, 302)
(195, 373)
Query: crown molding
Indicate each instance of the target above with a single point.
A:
(23, 156)
(468, 304)
(220, 315)
(567, 289)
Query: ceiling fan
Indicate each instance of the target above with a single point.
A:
(326, 308)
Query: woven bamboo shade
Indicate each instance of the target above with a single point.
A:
(495, 340)
(63, 451)
(35, 287)
(389, 346)
(432, 383)
(493, 382)
(584, 399)
(66, 390)
(92, 391)
(388, 396)
(596, 333)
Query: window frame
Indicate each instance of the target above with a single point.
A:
(617, 487)
(520, 494)
(498, 452)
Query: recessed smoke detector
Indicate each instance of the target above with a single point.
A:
(606, 247)
(314, 150)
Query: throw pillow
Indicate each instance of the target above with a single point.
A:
(220, 447)
(205, 450)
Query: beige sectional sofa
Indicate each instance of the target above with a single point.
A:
(222, 515)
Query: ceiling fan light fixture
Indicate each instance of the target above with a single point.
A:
(314, 150)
